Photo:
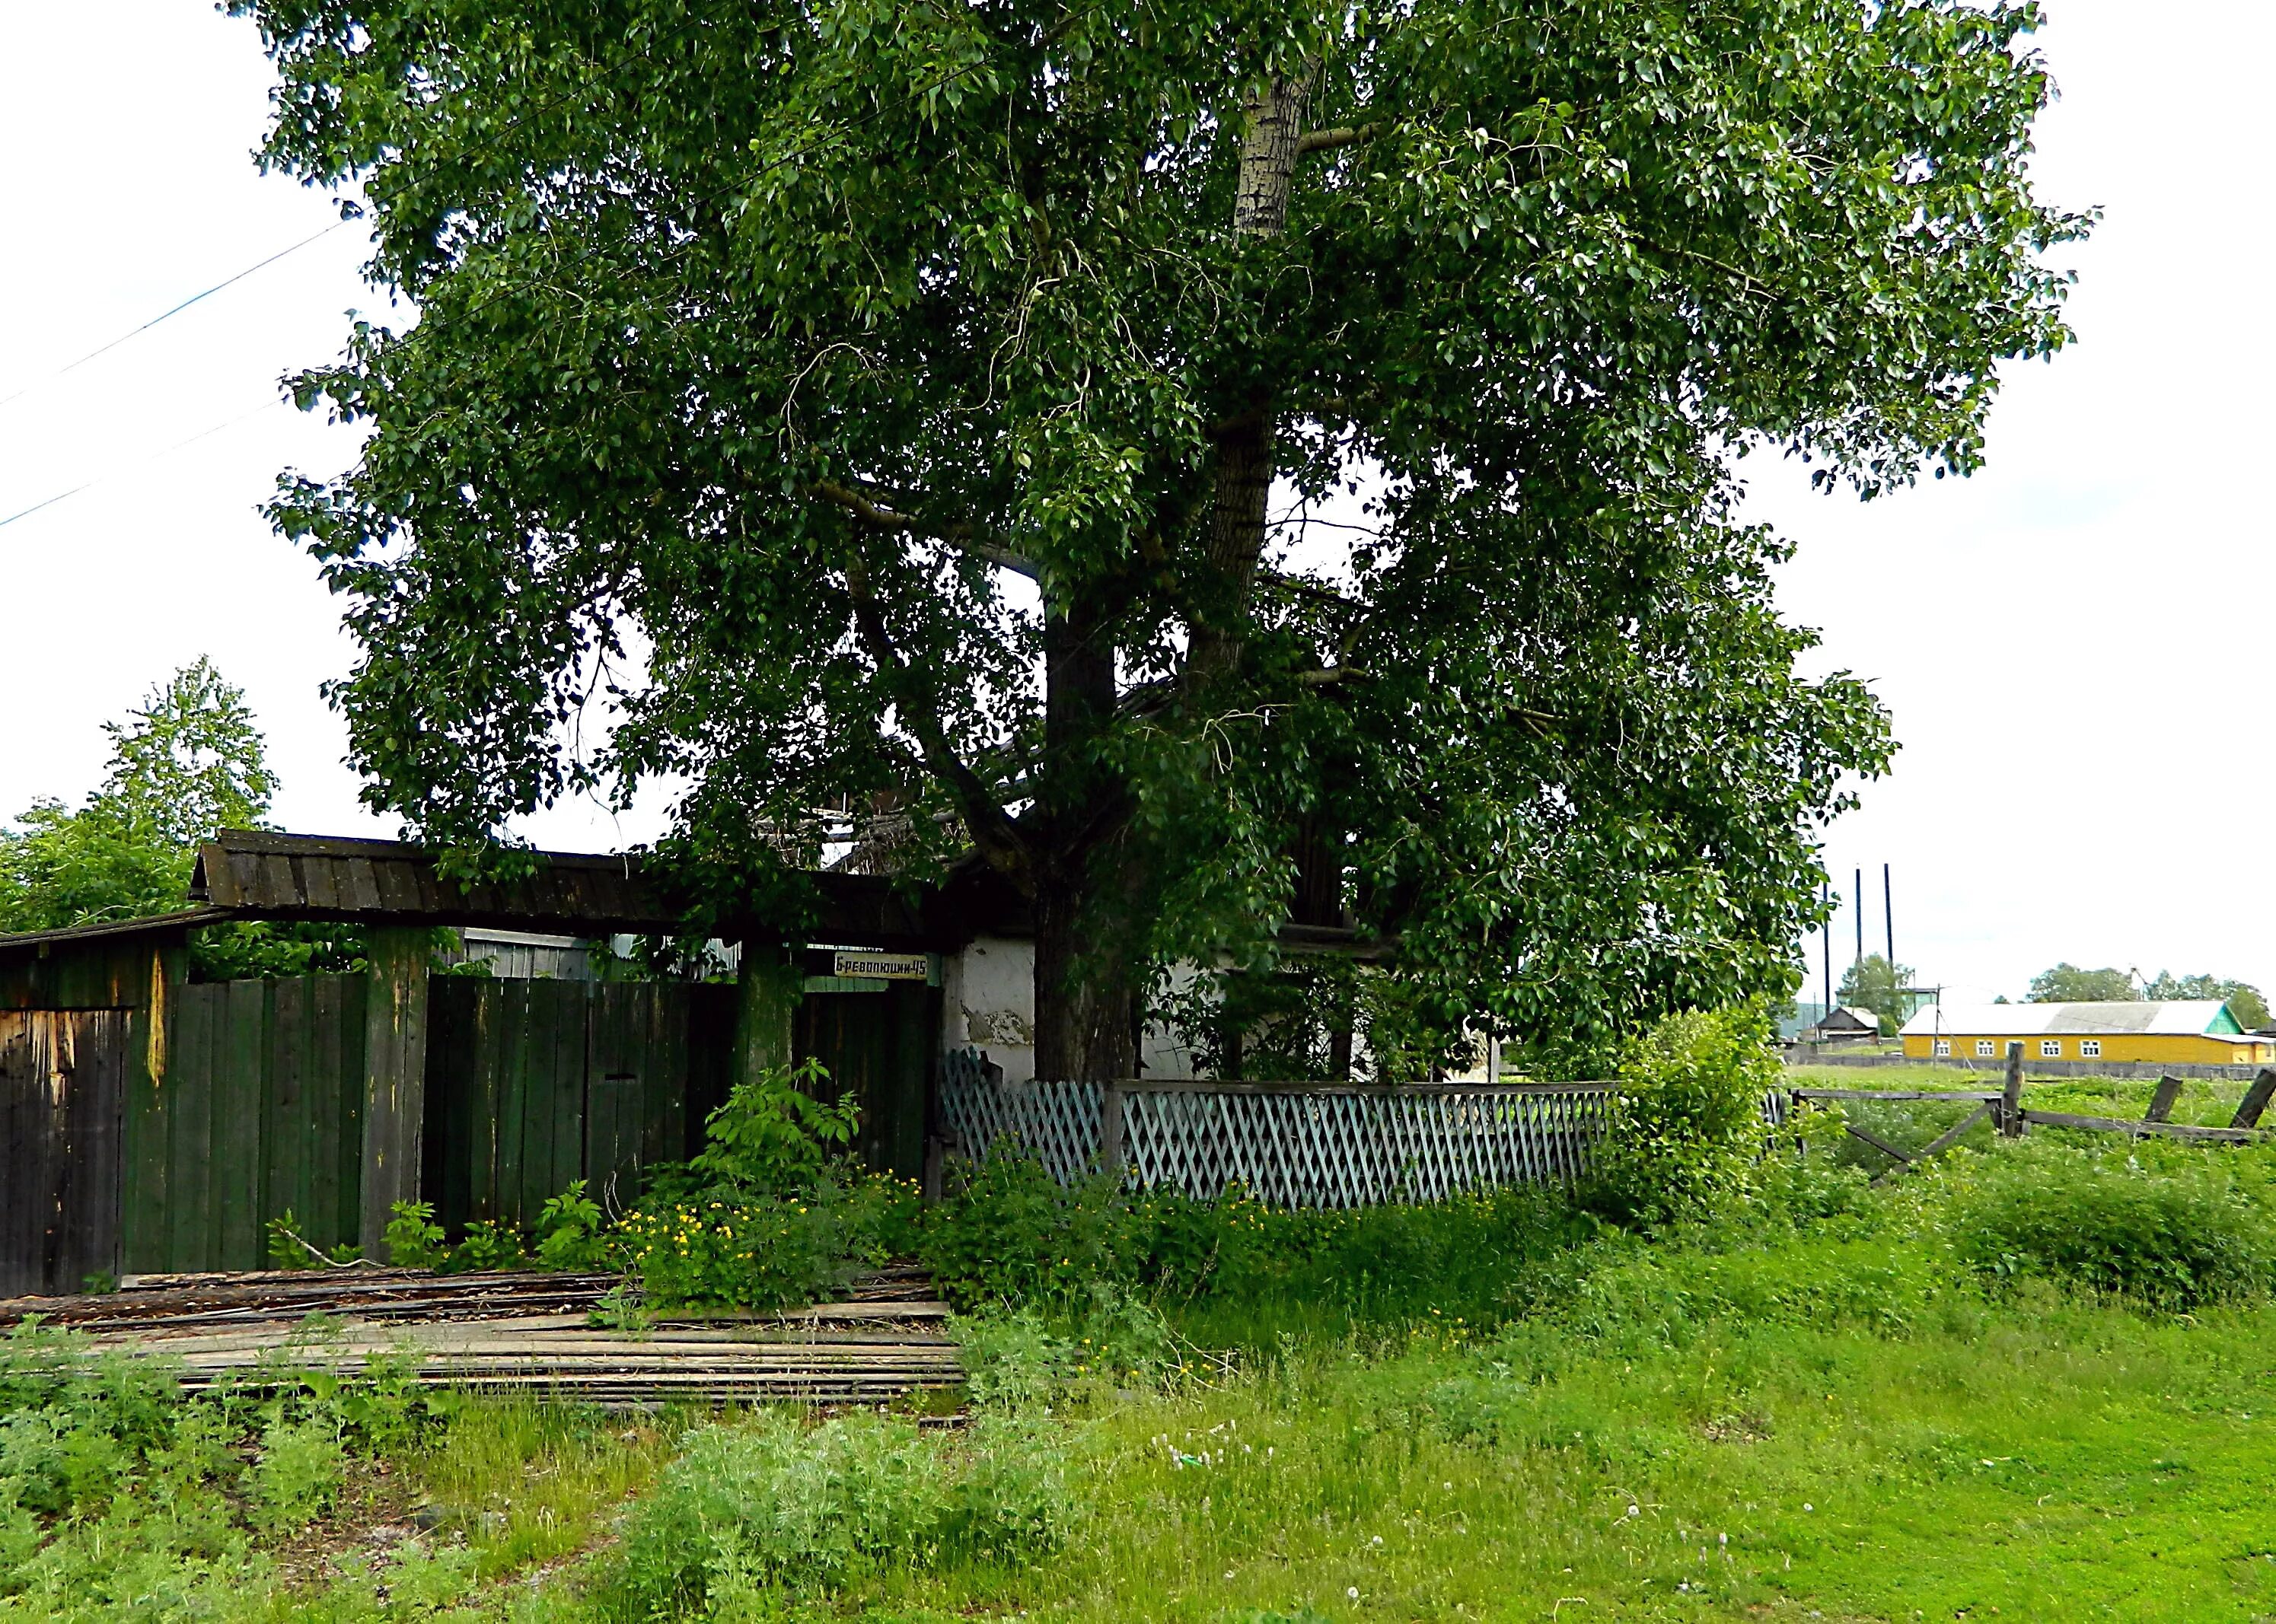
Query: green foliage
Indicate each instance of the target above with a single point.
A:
(297, 1474)
(759, 1251)
(959, 491)
(2178, 1234)
(569, 1230)
(770, 1501)
(413, 1238)
(2244, 1000)
(490, 1243)
(1686, 1133)
(2066, 983)
(772, 1212)
(117, 1491)
(1014, 1239)
(1873, 983)
(185, 762)
(775, 1136)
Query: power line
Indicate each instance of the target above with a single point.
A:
(739, 183)
(168, 314)
(155, 456)
(647, 51)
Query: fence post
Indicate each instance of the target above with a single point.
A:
(2256, 1100)
(2161, 1103)
(2011, 1101)
(1110, 1130)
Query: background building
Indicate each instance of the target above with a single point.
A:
(2200, 1032)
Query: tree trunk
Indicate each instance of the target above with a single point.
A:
(1241, 505)
(1087, 888)
(1090, 887)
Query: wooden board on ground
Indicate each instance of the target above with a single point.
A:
(527, 1333)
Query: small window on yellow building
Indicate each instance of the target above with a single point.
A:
(1984, 1045)
(2090, 1047)
(1944, 1045)
(2050, 1048)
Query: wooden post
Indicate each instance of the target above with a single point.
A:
(395, 1078)
(768, 989)
(2161, 1103)
(1111, 1157)
(2256, 1100)
(2011, 1101)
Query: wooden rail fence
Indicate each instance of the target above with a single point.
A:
(2011, 1118)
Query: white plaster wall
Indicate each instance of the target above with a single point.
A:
(988, 1002)
(988, 999)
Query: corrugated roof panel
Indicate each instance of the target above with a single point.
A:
(2173, 1017)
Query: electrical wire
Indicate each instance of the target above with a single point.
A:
(739, 184)
(168, 314)
(142, 463)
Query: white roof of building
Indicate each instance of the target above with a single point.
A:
(2180, 1017)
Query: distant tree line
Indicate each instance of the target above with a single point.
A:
(2066, 983)
(1875, 984)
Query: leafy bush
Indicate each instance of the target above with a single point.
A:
(773, 1211)
(488, 1243)
(1687, 1133)
(415, 1240)
(569, 1230)
(772, 1502)
(2177, 1233)
(775, 1136)
(1014, 1238)
(303, 1461)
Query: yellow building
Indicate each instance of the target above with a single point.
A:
(2193, 1032)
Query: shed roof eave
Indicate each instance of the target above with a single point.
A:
(180, 921)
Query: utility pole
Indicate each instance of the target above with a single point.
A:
(1860, 915)
(1825, 988)
(1889, 920)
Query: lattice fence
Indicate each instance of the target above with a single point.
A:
(1304, 1146)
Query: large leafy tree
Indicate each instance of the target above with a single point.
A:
(948, 401)
(1874, 983)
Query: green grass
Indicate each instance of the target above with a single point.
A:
(1843, 1403)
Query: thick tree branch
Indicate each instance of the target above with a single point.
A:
(993, 831)
(879, 516)
(1342, 135)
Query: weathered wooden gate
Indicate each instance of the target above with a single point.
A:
(531, 1084)
(879, 1047)
(62, 1098)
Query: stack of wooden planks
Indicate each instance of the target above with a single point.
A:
(533, 1333)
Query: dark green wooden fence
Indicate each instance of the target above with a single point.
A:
(251, 1105)
(256, 1109)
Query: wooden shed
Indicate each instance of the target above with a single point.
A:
(150, 1122)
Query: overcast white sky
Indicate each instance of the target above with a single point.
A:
(2074, 643)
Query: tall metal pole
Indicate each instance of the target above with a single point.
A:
(1859, 895)
(1889, 919)
(1825, 988)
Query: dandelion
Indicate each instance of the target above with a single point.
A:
(1351, 1592)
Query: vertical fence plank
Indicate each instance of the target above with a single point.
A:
(189, 1136)
(145, 1197)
